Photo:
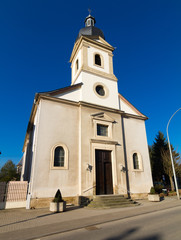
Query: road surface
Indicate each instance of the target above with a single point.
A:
(160, 225)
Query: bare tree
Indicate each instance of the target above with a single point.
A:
(167, 165)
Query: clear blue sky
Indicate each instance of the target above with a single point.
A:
(36, 40)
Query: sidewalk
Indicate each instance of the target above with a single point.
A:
(25, 224)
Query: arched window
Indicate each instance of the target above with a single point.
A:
(136, 161)
(59, 157)
(98, 59)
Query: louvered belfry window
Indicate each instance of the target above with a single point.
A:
(97, 59)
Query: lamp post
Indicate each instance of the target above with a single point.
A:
(176, 186)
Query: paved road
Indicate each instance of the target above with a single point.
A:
(162, 225)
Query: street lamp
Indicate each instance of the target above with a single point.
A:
(176, 186)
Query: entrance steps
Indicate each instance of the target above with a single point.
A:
(111, 201)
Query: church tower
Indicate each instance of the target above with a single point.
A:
(92, 65)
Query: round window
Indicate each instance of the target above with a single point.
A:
(100, 90)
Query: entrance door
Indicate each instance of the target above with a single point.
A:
(103, 172)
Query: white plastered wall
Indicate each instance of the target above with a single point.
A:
(89, 95)
(57, 125)
(74, 95)
(140, 181)
(79, 58)
(126, 108)
(91, 51)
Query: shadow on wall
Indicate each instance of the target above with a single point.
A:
(125, 157)
(29, 156)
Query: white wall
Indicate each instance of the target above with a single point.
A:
(74, 95)
(91, 59)
(88, 90)
(57, 124)
(126, 108)
(136, 141)
(74, 70)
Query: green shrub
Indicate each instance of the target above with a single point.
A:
(158, 188)
(152, 190)
(58, 197)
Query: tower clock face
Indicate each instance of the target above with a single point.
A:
(100, 90)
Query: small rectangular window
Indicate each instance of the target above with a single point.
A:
(102, 130)
(77, 64)
(135, 161)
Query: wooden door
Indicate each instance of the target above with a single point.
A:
(103, 172)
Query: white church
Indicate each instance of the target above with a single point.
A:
(86, 139)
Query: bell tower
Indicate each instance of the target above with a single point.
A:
(92, 65)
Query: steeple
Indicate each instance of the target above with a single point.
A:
(90, 30)
(89, 21)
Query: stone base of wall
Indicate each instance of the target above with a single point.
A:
(8, 205)
(139, 196)
(40, 202)
(77, 200)
(45, 202)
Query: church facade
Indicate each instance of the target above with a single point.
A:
(86, 139)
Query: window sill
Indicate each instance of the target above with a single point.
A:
(137, 170)
(59, 168)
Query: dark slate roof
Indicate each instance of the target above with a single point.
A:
(90, 31)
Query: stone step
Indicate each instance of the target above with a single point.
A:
(110, 201)
(111, 206)
(121, 199)
(108, 196)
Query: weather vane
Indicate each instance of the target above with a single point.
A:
(89, 10)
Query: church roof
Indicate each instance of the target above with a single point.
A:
(132, 107)
(90, 31)
(61, 90)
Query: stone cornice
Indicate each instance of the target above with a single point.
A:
(128, 115)
(104, 141)
(39, 97)
(95, 72)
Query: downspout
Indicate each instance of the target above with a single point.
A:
(80, 152)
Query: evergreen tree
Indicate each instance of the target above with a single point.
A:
(156, 149)
(161, 161)
(8, 172)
